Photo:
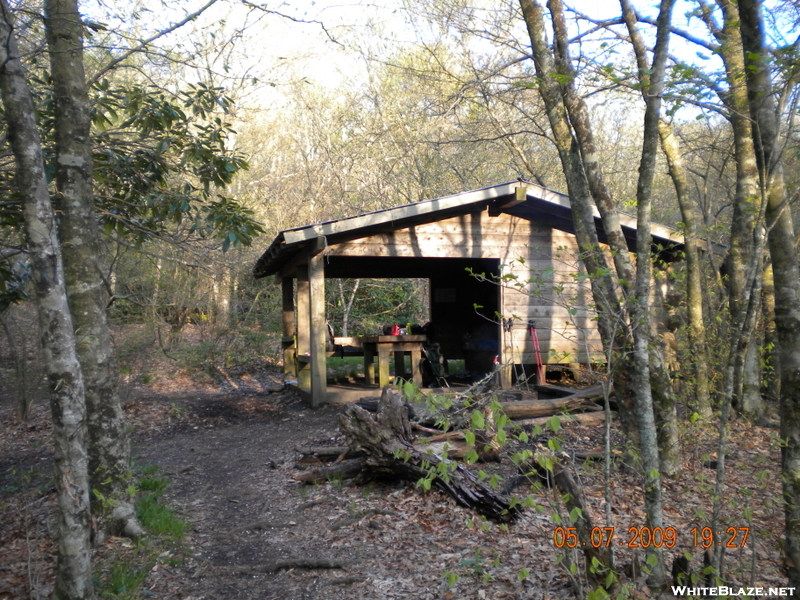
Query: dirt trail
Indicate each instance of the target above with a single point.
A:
(230, 459)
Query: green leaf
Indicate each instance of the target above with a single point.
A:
(469, 437)
(477, 419)
(554, 423)
(597, 593)
(575, 514)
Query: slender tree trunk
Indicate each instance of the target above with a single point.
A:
(786, 270)
(223, 288)
(347, 304)
(751, 403)
(582, 127)
(578, 118)
(746, 237)
(23, 401)
(108, 440)
(74, 565)
(612, 322)
(650, 356)
(698, 354)
(747, 241)
(577, 110)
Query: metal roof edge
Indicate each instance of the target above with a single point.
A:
(302, 234)
(289, 240)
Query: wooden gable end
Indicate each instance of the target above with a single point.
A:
(538, 267)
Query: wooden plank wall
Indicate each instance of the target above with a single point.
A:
(526, 251)
(538, 265)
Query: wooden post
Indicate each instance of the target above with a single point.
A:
(303, 329)
(416, 359)
(369, 364)
(318, 329)
(289, 341)
(383, 366)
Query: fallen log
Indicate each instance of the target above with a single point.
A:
(323, 452)
(526, 409)
(587, 418)
(385, 440)
(344, 470)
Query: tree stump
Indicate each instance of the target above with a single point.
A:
(385, 441)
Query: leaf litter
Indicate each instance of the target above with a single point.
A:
(229, 453)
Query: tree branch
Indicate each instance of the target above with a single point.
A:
(130, 52)
(293, 19)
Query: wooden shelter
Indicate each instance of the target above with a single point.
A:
(509, 249)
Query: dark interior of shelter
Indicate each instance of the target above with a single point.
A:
(464, 303)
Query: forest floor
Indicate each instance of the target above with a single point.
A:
(228, 449)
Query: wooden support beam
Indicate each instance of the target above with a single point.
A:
(303, 327)
(318, 329)
(289, 328)
(499, 205)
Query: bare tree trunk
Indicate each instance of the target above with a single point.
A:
(639, 322)
(108, 440)
(347, 304)
(786, 269)
(581, 175)
(744, 278)
(74, 565)
(747, 241)
(751, 403)
(584, 134)
(23, 401)
(694, 287)
(657, 379)
(223, 286)
(612, 322)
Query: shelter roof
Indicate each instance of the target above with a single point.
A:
(518, 198)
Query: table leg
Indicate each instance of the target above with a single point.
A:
(416, 374)
(383, 368)
(369, 365)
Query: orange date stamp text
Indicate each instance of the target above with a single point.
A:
(646, 537)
